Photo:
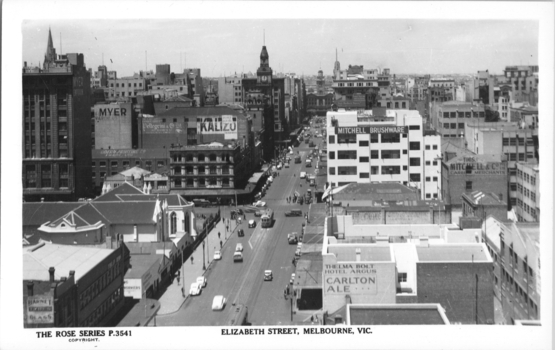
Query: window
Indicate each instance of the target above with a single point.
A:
(346, 154)
(364, 175)
(461, 125)
(126, 164)
(428, 195)
(427, 147)
(453, 125)
(427, 162)
(363, 159)
(446, 125)
(414, 127)
(331, 155)
(405, 168)
(414, 161)
(414, 146)
(391, 170)
(428, 179)
(374, 154)
(434, 147)
(391, 154)
(363, 143)
(402, 277)
(415, 177)
(347, 170)
(391, 138)
(405, 151)
(374, 138)
(435, 178)
(114, 164)
(102, 164)
(331, 139)
(374, 170)
(346, 138)
(332, 170)
(469, 185)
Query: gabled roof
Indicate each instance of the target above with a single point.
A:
(136, 172)
(36, 214)
(128, 213)
(85, 215)
(112, 196)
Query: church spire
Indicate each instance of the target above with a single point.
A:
(50, 55)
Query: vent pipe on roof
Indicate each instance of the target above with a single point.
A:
(51, 272)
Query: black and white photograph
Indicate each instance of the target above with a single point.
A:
(311, 175)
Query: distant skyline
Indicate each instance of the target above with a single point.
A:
(228, 46)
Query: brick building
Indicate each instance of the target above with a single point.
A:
(56, 128)
(60, 290)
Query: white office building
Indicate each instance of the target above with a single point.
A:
(383, 146)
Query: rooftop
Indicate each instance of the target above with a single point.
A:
(141, 263)
(200, 112)
(452, 252)
(481, 198)
(368, 252)
(64, 258)
(396, 314)
(36, 214)
(376, 191)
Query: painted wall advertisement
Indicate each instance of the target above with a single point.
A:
(40, 309)
(475, 166)
(226, 125)
(133, 288)
(102, 112)
(350, 278)
(371, 130)
(157, 126)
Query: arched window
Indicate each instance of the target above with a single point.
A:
(173, 223)
(201, 170)
(225, 169)
(201, 157)
(213, 157)
(189, 170)
(177, 170)
(212, 170)
(189, 158)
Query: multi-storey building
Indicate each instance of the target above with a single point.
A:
(320, 102)
(524, 81)
(528, 191)
(441, 90)
(383, 146)
(516, 274)
(56, 128)
(509, 139)
(481, 88)
(524, 114)
(60, 291)
(449, 118)
(357, 88)
(230, 89)
(124, 88)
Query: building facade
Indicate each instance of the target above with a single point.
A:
(56, 128)
(528, 192)
(124, 88)
(383, 146)
(449, 118)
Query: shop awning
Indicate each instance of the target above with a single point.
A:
(255, 178)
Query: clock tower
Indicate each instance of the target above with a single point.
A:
(264, 72)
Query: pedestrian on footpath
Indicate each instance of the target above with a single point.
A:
(183, 291)
(221, 244)
(192, 260)
(178, 276)
(218, 234)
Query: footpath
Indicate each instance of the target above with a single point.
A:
(174, 296)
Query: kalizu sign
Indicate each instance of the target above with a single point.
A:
(226, 125)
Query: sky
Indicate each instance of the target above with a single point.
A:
(224, 46)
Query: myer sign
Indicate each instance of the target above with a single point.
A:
(350, 278)
(371, 130)
(111, 111)
(225, 124)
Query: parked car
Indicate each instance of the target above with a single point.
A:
(268, 275)
(292, 280)
(195, 288)
(292, 238)
(252, 223)
(240, 232)
(287, 165)
(258, 213)
(202, 281)
(294, 212)
(239, 247)
(217, 255)
(259, 204)
(218, 303)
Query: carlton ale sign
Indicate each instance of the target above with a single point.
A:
(350, 278)
(371, 130)
(473, 166)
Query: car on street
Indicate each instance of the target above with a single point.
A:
(239, 247)
(237, 257)
(195, 288)
(217, 255)
(218, 303)
(259, 204)
(268, 275)
(294, 212)
(298, 252)
(292, 238)
(287, 165)
(240, 232)
(202, 281)
(252, 223)
(279, 166)
(303, 175)
(292, 280)
(258, 213)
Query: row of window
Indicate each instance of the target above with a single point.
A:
(519, 291)
(212, 170)
(113, 270)
(374, 170)
(189, 158)
(453, 125)
(103, 309)
(201, 182)
(471, 114)
(126, 163)
(128, 85)
(514, 141)
(521, 157)
(525, 207)
(526, 177)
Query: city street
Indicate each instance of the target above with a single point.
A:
(263, 249)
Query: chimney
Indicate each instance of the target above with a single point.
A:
(72, 275)
(30, 289)
(358, 254)
(25, 64)
(51, 271)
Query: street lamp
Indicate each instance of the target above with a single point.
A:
(203, 263)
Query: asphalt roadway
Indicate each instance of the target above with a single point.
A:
(263, 249)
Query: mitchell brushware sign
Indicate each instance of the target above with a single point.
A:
(350, 278)
(371, 130)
